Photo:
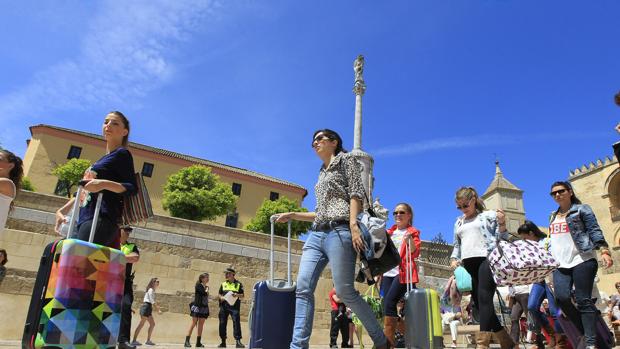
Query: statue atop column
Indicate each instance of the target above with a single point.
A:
(367, 161)
(358, 67)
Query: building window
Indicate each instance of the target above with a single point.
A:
(74, 152)
(62, 188)
(231, 219)
(236, 189)
(147, 169)
(273, 196)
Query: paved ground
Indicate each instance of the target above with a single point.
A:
(16, 345)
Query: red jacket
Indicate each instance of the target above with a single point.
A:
(415, 235)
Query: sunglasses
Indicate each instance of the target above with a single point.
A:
(399, 212)
(559, 191)
(319, 139)
(462, 207)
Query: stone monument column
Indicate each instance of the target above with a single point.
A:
(367, 161)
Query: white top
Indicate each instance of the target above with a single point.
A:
(472, 241)
(563, 247)
(149, 296)
(397, 237)
(5, 206)
(520, 289)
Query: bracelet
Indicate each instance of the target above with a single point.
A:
(606, 251)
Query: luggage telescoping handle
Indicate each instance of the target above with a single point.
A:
(289, 282)
(76, 211)
(409, 271)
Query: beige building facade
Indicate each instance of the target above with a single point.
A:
(598, 185)
(51, 146)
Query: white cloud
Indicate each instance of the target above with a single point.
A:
(125, 53)
(475, 141)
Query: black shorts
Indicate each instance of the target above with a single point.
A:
(146, 309)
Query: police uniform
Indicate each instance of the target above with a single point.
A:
(124, 333)
(232, 310)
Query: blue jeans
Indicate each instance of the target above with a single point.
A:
(335, 248)
(584, 316)
(539, 292)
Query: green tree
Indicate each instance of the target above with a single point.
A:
(261, 223)
(27, 184)
(196, 193)
(71, 172)
(439, 239)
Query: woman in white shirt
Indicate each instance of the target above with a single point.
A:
(394, 283)
(574, 238)
(146, 312)
(11, 173)
(475, 233)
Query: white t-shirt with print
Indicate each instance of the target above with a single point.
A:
(149, 296)
(397, 237)
(563, 247)
(472, 241)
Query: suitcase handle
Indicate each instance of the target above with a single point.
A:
(76, 211)
(289, 281)
(409, 271)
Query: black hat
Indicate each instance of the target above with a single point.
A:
(229, 270)
(126, 228)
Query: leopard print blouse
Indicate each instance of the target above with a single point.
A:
(335, 188)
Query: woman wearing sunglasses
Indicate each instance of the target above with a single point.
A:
(575, 236)
(335, 238)
(539, 291)
(394, 282)
(475, 234)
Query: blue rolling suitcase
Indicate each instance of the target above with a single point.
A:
(273, 308)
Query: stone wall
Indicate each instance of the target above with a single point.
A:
(174, 250)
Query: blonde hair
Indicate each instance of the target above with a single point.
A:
(469, 193)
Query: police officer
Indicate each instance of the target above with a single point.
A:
(132, 255)
(233, 286)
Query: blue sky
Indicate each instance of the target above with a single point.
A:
(450, 84)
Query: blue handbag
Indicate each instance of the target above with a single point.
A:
(463, 279)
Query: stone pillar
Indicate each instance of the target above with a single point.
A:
(359, 88)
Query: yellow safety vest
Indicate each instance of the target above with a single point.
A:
(127, 248)
(231, 286)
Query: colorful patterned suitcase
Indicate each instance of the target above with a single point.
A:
(77, 296)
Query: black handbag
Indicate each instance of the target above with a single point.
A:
(388, 260)
(378, 266)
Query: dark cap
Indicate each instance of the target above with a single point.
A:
(126, 228)
(229, 270)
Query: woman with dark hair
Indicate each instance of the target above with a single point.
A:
(541, 290)
(335, 239)
(394, 282)
(475, 234)
(11, 173)
(146, 313)
(199, 309)
(574, 238)
(114, 175)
